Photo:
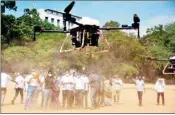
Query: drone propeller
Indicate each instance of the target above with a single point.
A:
(69, 7)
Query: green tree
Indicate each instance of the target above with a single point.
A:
(112, 23)
(11, 5)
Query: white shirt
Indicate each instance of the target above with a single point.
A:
(79, 83)
(33, 81)
(160, 87)
(59, 81)
(68, 80)
(117, 83)
(5, 78)
(140, 85)
(19, 82)
(86, 81)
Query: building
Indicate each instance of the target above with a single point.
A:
(56, 18)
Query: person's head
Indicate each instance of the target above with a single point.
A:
(143, 77)
(73, 72)
(67, 73)
(17, 73)
(160, 81)
(140, 77)
(116, 76)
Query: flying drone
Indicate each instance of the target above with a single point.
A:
(169, 68)
(85, 34)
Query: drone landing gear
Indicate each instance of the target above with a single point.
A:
(169, 69)
(83, 44)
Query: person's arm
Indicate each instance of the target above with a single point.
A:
(88, 85)
(163, 83)
(29, 80)
(10, 78)
(144, 86)
(102, 84)
(134, 80)
(155, 87)
(121, 84)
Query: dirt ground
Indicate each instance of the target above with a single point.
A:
(128, 103)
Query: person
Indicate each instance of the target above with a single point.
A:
(5, 78)
(160, 87)
(140, 88)
(68, 87)
(96, 82)
(32, 82)
(55, 94)
(86, 90)
(19, 87)
(47, 91)
(116, 88)
(58, 83)
(79, 90)
(39, 88)
(73, 74)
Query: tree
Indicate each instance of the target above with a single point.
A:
(112, 23)
(9, 5)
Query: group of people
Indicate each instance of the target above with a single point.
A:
(74, 87)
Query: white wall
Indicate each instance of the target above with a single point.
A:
(44, 14)
(84, 20)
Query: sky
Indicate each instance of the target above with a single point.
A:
(151, 13)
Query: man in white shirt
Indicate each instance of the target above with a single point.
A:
(19, 86)
(79, 90)
(140, 88)
(116, 88)
(68, 87)
(160, 87)
(5, 78)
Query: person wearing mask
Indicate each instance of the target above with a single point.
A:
(96, 83)
(160, 88)
(140, 86)
(32, 81)
(55, 93)
(5, 78)
(116, 88)
(47, 91)
(79, 90)
(19, 87)
(67, 90)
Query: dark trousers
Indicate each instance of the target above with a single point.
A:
(79, 98)
(140, 93)
(68, 95)
(17, 91)
(158, 97)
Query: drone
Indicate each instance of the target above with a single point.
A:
(85, 35)
(169, 68)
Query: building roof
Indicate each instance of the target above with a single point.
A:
(61, 13)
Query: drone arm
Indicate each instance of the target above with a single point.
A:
(116, 28)
(55, 31)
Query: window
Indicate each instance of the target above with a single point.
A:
(46, 18)
(58, 22)
(54, 13)
(52, 20)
